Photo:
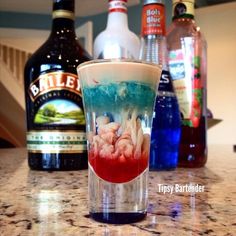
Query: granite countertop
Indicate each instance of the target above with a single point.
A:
(55, 203)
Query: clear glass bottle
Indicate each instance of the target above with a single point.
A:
(117, 41)
(56, 137)
(188, 65)
(166, 120)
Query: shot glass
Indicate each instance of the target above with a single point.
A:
(118, 97)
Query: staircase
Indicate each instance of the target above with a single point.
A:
(12, 71)
(12, 103)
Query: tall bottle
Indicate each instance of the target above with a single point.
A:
(166, 120)
(187, 63)
(117, 41)
(55, 119)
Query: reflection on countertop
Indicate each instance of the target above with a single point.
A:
(55, 203)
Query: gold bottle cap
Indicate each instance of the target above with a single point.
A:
(183, 1)
(63, 14)
(182, 8)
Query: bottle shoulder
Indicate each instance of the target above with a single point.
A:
(108, 39)
(56, 54)
(116, 35)
(182, 28)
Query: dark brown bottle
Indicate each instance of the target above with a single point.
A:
(55, 119)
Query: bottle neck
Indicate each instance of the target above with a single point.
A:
(63, 24)
(117, 16)
(183, 9)
(153, 32)
(63, 15)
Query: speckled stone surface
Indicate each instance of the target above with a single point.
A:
(43, 203)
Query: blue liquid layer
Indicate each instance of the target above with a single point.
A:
(118, 218)
(119, 96)
(165, 136)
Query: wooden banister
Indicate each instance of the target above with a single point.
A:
(14, 59)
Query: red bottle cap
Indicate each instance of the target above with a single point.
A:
(118, 6)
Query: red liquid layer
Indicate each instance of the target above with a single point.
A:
(118, 170)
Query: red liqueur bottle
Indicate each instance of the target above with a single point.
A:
(55, 119)
(187, 64)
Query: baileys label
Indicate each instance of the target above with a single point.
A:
(54, 81)
(56, 114)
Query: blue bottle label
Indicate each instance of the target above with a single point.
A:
(165, 84)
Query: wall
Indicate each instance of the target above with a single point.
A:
(23, 39)
(218, 25)
(40, 21)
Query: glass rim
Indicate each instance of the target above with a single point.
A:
(100, 61)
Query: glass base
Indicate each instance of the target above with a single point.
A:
(118, 203)
(118, 218)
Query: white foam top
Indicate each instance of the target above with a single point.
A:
(106, 71)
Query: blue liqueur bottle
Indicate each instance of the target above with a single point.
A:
(166, 118)
(165, 127)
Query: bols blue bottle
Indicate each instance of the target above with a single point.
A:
(166, 119)
(165, 135)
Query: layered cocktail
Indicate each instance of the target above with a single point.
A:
(118, 97)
